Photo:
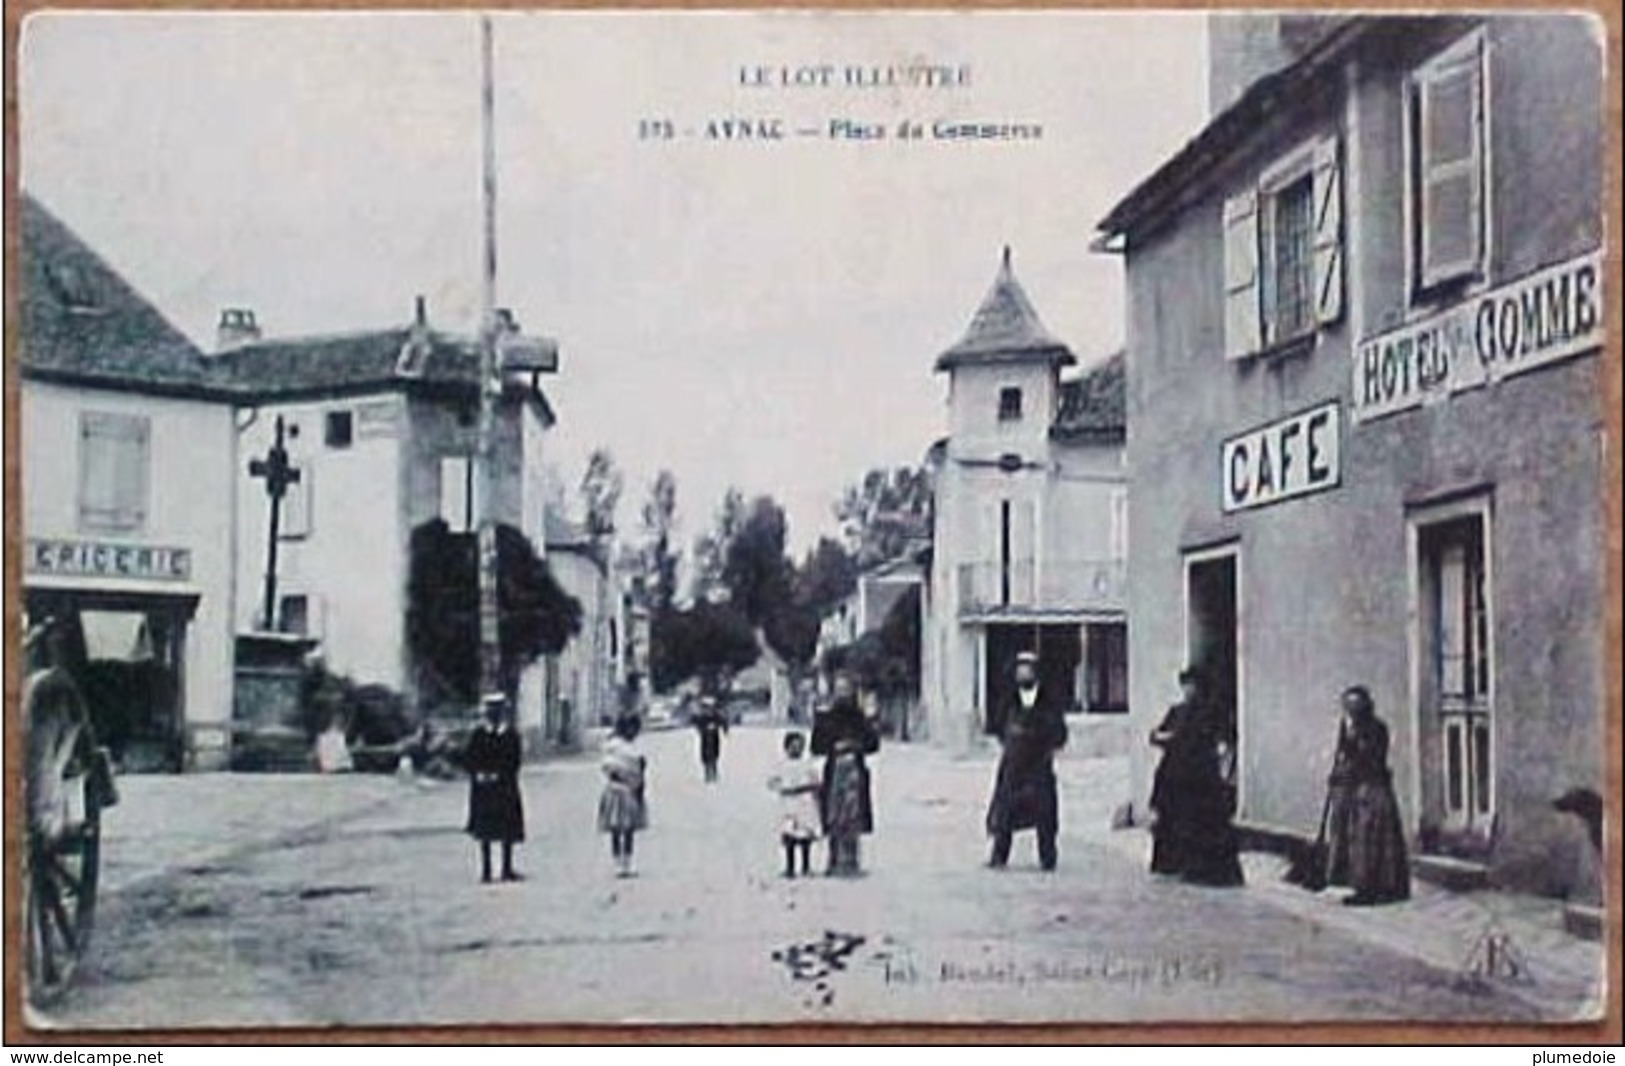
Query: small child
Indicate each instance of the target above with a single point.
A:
(622, 810)
(797, 783)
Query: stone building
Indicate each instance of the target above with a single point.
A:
(1364, 319)
(1029, 536)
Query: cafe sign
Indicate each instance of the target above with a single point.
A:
(1533, 322)
(1292, 457)
(88, 558)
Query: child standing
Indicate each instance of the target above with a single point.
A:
(622, 810)
(797, 784)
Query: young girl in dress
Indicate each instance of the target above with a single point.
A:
(622, 810)
(797, 784)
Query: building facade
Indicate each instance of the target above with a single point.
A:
(581, 678)
(382, 427)
(127, 466)
(1364, 318)
(1029, 531)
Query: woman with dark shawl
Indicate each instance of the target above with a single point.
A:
(1193, 835)
(843, 735)
(1366, 840)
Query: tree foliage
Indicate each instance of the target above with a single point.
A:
(709, 642)
(660, 559)
(884, 512)
(601, 487)
(536, 616)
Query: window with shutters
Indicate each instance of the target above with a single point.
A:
(1448, 173)
(1283, 253)
(114, 471)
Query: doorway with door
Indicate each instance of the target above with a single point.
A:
(1212, 642)
(1455, 675)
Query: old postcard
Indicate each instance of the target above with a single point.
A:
(786, 516)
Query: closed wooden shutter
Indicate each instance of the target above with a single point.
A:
(1243, 328)
(113, 470)
(1450, 170)
(1328, 233)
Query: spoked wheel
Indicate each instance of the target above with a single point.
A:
(69, 781)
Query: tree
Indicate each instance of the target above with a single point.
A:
(884, 512)
(536, 616)
(660, 560)
(710, 642)
(711, 549)
(886, 660)
(755, 570)
(601, 493)
(827, 576)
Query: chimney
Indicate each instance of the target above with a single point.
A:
(237, 328)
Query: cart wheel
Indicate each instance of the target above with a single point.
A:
(65, 793)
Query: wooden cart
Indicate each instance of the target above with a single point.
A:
(69, 783)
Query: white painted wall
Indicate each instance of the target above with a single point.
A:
(351, 561)
(192, 459)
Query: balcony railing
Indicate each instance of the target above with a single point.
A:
(1024, 587)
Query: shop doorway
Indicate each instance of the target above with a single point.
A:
(127, 655)
(1212, 642)
(1456, 683)
(1060, 650)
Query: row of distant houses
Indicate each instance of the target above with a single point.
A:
(1355, 438)
(146, 516)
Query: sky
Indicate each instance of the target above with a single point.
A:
(762, 314)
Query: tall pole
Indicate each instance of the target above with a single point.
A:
(490, 383)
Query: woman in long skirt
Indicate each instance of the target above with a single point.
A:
(622, 807)
(1365, 836)
(844, 736)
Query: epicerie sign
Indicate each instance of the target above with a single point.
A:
(1535, 321)
(84, 558)
(1293, 457)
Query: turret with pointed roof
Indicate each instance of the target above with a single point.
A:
(1006, 329)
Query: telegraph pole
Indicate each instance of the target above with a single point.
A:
(490, 383)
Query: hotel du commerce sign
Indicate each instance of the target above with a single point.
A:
(1539, 319)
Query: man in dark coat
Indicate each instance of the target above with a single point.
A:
(495, 811)
(1024, 794)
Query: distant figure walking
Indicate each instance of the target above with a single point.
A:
(622, 807)
(798, 783)
(844, 736)
(1024, 792)
(495, 811)
(1365, 838)
(1194, 836)
(710, 723)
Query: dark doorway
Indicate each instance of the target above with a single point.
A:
(1210, 597)
(1060, 650)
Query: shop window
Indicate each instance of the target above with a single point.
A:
(114, 475)
(340, 429)
(1446, 115)
(1283, 253)
(1010, 404)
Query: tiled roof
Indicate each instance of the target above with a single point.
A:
(1093, 405)
(270, 368)
(1005, 329)
(81, 321)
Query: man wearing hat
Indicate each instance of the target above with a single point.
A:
(495, 810)
(1024, 793)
